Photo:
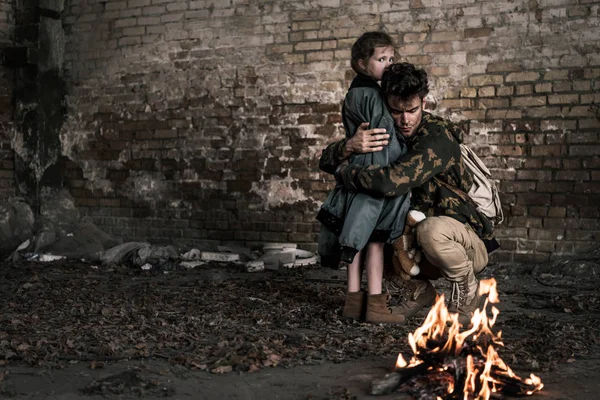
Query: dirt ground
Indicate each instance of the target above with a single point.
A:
(76, 331)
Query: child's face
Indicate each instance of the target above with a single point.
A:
(382, 57)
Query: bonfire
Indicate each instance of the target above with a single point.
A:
(448, 363)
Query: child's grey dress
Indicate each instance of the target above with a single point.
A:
(350, 220)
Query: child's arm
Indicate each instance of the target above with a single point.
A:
(366, 104)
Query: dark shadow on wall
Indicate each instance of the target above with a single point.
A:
(39, 98)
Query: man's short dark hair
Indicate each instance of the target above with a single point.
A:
(404, 80)
(365, 46)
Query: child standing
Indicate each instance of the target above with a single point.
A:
(363, 224)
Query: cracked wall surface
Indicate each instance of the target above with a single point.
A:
(204, 120)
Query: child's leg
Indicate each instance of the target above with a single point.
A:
(374, 267)
(377, 310)
(354, 273)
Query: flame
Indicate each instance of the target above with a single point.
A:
(485, 372)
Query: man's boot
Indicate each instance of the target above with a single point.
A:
(421, 294)
(378, 311)
(465, 299)
(354, 306)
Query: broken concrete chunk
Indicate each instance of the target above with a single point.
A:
(304, 258)
(275, 260)
(219, 257)
(193, 254)
(24, 245)
(276, 247)
(49, 257)
(192, 264)
(255, 266)
(16, 224)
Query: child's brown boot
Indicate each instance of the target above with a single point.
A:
(378, 311)
(354, 306)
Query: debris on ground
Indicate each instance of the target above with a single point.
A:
(59, 233)
(220, 318)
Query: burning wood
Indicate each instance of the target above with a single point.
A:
(448, 363)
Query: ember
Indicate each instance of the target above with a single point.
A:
(448, 363)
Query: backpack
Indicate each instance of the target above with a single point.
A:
(484, 193)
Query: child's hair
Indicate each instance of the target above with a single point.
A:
(365, 45)
(405, 80)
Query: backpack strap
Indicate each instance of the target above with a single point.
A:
(464, 196)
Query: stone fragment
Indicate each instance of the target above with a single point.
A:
(255, 266)
(219, 257)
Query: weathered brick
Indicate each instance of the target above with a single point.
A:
(572, 175)
(549, 150)
(152, 20)
(437, 48)
(492, 103)
(487, 91)
(571, 163)
(558, 125)
(501, 114)
(588, 150)
(523, 90)
(306, 25)
(505, 90)
(556, 75)
(589, 123)
(478, 32)
(522, 76)
(587, 187)
(438, 71)
(468, 92)
(125, 22)
(537, 211)
(419, 60)
(557, 212)
(153, 10)
(546, 234)
(135, 31)
(484, 80)
(524, 222)
(591, 73)
(504, 67)
(582, 86)
(319, 56)
(303, 46)
(542, 112)
(538, 175)
(416, 37)
(554, 187)
(456, 103)
(562, 86)
(543, 87)
(563, 99)
(528, 101)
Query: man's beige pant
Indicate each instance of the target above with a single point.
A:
(451, 249)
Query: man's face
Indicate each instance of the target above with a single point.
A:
(407, 113)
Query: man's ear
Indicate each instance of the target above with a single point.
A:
(424, 103)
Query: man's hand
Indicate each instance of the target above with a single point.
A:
(366, 140)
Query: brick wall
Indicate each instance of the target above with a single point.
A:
(203, 120)
(6, 108)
